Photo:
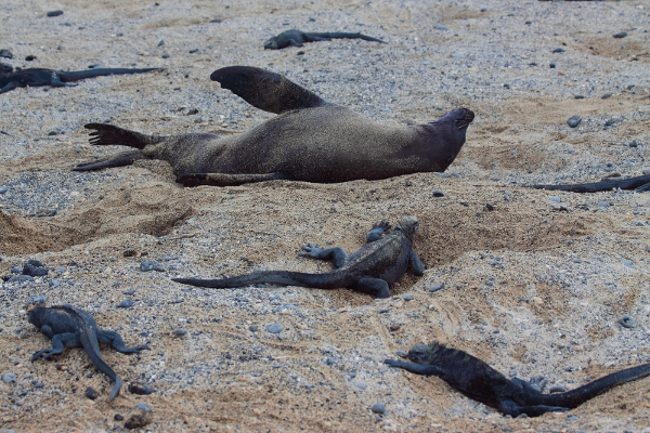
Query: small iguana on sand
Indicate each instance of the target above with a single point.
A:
(478, 381)
(371, 269)
(296, 38)
(49, 77)
(68, 326)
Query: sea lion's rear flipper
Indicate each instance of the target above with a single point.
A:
(265, 90)
(119, 161)
(227, 179)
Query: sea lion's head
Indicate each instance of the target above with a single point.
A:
(444, 137)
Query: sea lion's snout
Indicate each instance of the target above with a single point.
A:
(465, 117)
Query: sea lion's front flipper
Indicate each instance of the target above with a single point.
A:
(227, 179)
(106, 135)
(265, 90)
(119, 161)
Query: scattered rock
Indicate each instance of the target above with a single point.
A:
(438, 193)
(150, 265)
(140, 389)
(34, 268)
(620, 35)
(574, 121)
(179, 332)
(379, 408)
(627, 322)
(8, 377)
(91, 393)
(254, 328)
(55, 13)
(6, 54)
(125, 303)
(275, 328)
(139, 416)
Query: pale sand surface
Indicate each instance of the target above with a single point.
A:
(533, 286)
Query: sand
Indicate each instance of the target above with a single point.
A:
(535, 281)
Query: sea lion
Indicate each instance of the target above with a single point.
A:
(310, 140)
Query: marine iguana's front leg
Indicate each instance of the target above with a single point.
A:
(416, 264)
(59, 342)
(378, 230)
(115, 340)
(8, 87)
(227, 179)
(426, 370)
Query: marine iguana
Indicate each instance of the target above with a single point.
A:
(371, 269)
(296, 38)
(68, 326)
(638, 183)
(310, 140)
(478, 381)
(49, 77)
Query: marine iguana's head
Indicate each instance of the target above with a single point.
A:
(271, 44)
(424, 354)
(409, 225)
(35, 316)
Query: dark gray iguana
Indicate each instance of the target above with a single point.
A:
(49, 77)
(68, 326)
(296, 38)
(371, 269)
(478, 381)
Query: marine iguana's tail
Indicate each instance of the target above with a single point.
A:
(576, 397)
(328, 280)
(341, 35)
(109, 135)
(67, 76)
(90, 344)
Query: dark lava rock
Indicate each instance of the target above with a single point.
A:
(55, 13)
(34, 268)
(620, 35)
(574, 121)
(140, 389)
(627, 322)
(379, 408)
(6, 54)
(126, 303)
(140, 416)
(6, 68)
(150, 265)
(91, 393)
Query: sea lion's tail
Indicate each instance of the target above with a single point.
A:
(107, 135)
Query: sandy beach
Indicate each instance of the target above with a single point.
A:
(534, 282)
